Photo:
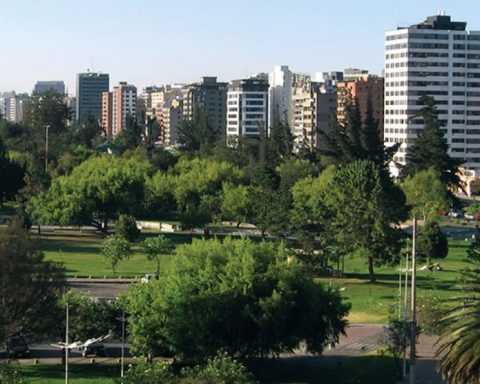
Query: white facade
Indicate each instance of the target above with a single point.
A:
(124, 104)
(280, 94)
(247, 107)
(439, 58)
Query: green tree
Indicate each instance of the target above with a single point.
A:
(460, 340)
(95, 192)
(29, 285)
(235, 203)
(364, 217)
(293, 169)
(431, 148)
(269, 203)
(245, 298)
(155, 248)
(432, 242)
(426, 194)
(196, 135)
(131, 136)
(11, 174)
(279, 142)
(126, 227)
(87, 318)
(48, 112)
(115, 249)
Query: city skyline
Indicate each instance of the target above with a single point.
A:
(146, 42)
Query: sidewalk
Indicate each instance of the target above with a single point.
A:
(426, 362)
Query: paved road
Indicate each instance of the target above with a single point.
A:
(100, 288)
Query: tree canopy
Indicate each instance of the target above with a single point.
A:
(29, 285)
(244, 298)
(96, 191)
(431, 148)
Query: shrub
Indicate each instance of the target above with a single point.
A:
(127, 228)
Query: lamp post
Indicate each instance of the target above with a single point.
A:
(46, 147)
(413, 331)
(66, 346)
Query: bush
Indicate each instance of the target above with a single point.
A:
(150, 373)
(430, 310)
(127, 228)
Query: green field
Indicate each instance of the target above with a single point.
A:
(371, 303)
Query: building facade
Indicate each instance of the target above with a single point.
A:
(90, 87)
(44, 86)
(107, 124)
(210, 97)
(124, 104)
(280, 94)
(247, 107)
(441, 58)
(362, 89)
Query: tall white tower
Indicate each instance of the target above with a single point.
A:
(440, 58)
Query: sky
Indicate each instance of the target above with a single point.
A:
(155, 42)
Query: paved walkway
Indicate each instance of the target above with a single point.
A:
(426, 362)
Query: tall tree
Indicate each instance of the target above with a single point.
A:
(431, 148)
(29, 285)
(48, 116)
(197, 134)
(280, 141)
(115, 248)
(362, 216)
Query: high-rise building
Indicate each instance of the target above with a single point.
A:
(362, 89)
(280, 94)
(210, 97)
(441, 58)
(44, 86)
(90, 86)
(247, 107)
(124, 103)
(107, 113)
(13, 106)
(172, 115)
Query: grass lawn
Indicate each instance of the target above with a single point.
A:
(371, 303)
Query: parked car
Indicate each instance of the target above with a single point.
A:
(17, 347)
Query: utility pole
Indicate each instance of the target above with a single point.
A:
(66, 347)
(122, 361)
(413, 331)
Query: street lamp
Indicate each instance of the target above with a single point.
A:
(413, 332)
(46, 146)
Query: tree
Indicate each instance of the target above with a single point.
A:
(426, 194)
(11, 174)
(87, 318)
(292, 169)
(431, 148)
(126, 227)
(432, 242)
(131, 136)
(460, 340)
(48, 112)
(29, 285)
(95, 192)
(356, 140)
(155, 248)
(280, 141)
(245, 298)
(115, 248)
(364, 214)
(197, 134)
(235, 203)
(269, 203)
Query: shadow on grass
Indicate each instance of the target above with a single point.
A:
(46, 373)
(326, 370)
(67, 246)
